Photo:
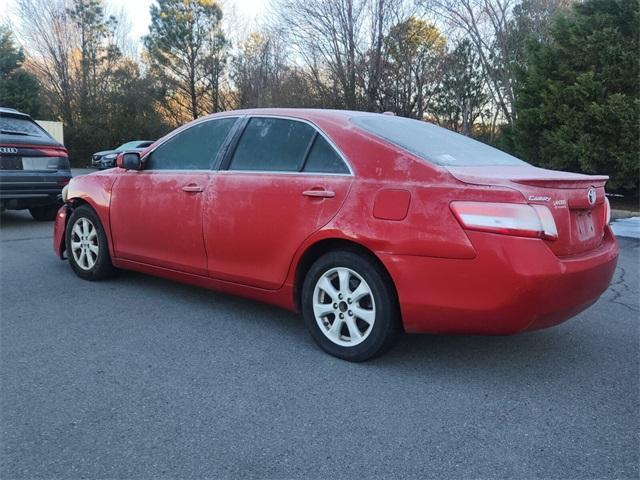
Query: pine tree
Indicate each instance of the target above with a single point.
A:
(579, 100)
(19, 89)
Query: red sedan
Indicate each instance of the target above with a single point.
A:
(367, 223)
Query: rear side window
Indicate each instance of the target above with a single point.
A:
(434, 144)
(324, 159)
(272, 144)
(10, 126)
(192, 149)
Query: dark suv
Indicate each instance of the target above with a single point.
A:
(33, 166)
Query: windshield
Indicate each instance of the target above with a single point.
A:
(434, 144)
(130, 146)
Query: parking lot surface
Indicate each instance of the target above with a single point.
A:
(138, 377)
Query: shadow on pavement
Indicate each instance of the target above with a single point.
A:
(539, 351)
(10, 218)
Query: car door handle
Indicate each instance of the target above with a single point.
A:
(192, 188)
(319, 193)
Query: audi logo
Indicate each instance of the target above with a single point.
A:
(10, 150)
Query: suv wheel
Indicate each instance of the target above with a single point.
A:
(44, 214)
(350, 306)
(87, 246)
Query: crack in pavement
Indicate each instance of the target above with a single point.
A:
(4, 240)
(620, 288)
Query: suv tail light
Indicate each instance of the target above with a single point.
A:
(521, 220)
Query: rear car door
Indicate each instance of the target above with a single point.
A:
(284, 180)
(156, 212)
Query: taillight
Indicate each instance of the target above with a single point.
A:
(522, 220)
(607, 211)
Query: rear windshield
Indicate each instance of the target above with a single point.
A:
(434, 144)
(21, 127)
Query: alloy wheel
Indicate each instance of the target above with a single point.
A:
(344, 306)
(84, 243)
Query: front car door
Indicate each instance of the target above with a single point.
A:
(156, 212)
(284, 180)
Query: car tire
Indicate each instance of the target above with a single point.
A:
(87, 247)
(44, 214)
(350, 306)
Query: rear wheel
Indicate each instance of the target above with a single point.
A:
(44, 214)
(87, 247)
(350, 306)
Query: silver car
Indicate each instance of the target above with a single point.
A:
(107, 158)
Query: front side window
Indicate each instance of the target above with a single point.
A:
(272, 144)
(192, 149)
(434, 144)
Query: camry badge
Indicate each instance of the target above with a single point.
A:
(534, 198)
(591, 196)
(10, 150)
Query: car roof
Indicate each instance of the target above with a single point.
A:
(310, 114)
(12, 112)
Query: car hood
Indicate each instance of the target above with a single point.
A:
(105, 152)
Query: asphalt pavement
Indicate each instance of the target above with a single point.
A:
(138, 377)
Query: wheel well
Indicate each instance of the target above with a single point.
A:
(318, 249)
(76, 202)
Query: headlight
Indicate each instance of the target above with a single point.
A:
(111, 156)
(65, 193)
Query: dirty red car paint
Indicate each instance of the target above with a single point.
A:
(367, 223)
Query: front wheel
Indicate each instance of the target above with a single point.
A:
(350, 306)
(86, 244)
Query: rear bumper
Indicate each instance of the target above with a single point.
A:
(59, 227)
(29, 200)
(31, 190)
(513, 285)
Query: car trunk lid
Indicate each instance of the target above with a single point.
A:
(22, 158)
(576, 201)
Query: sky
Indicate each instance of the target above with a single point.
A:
(137, 11)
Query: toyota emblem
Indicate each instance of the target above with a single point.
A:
(591, 196)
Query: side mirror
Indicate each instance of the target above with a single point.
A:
(129, 161)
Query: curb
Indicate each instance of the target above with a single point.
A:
(620, 214)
